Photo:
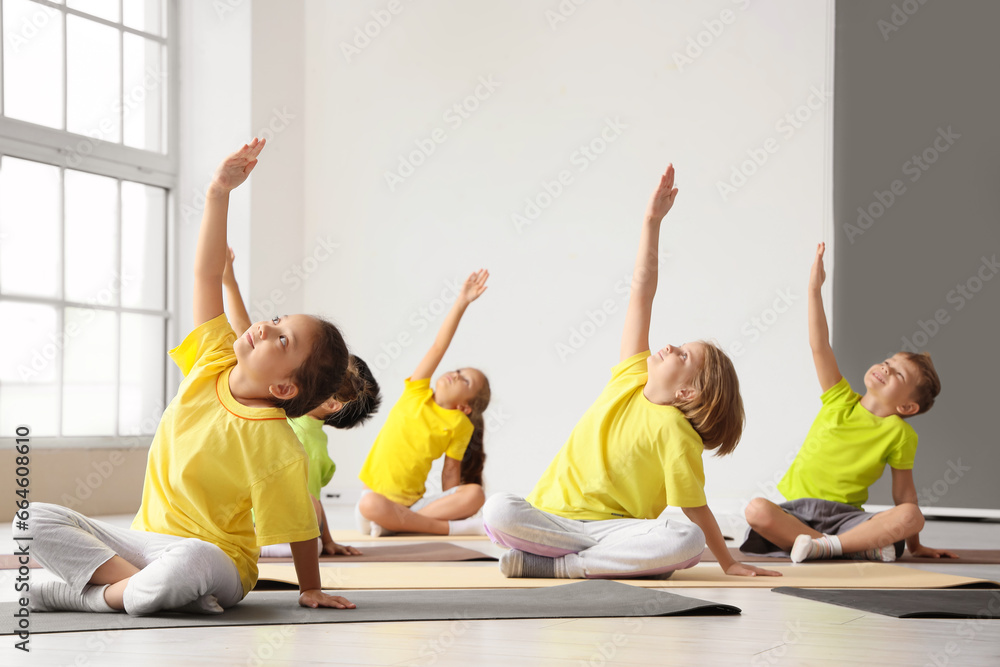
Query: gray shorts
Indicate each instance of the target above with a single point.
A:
(826, 516)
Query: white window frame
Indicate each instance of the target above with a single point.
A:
(28, 141)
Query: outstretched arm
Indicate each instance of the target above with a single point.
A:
(310, 584)
(210, 254)
(905, 491)
(704, 519)
(819, 333)
(238, 316)
(635, 337)
(473, 288)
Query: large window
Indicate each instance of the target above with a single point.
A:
(86, 174)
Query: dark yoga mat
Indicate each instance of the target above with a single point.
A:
(965, 557)
(585, 599)
(908, 603)
(431, 552)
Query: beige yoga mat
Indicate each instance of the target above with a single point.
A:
(402, 552)
(965, 557)
(349, 536)
(860, 574)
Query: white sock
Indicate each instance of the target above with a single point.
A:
(60, 596)
(364, 525)
(807, 548)
(379, 531)
(471, 526)
(276, 551)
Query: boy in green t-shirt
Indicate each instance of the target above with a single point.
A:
(845, 452)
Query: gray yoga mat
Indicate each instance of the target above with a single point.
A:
(585, 599)
(908, 603)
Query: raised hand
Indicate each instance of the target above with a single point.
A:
(317, 598)
(818, 274)
(663, 199)
(235, 168)
(474, 286)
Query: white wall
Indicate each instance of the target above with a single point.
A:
(214, 120)
(559, 83)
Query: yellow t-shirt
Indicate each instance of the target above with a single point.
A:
(213, 459)
(846, 450)
(417, 432)
(626, 458)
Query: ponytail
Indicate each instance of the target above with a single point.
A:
(475, 455)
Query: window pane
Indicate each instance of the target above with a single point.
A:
(145, 15)
(143, 358)
(93, 78)
(143, 245)
(29, 370)
(29, 228)
(106, 9)
(89, 372)
(91, 239)
(33, 63)
(145, 87)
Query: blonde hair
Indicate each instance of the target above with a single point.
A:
(716, 410)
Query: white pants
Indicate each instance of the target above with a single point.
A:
(174, 571)
(609, 549)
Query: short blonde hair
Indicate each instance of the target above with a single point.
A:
(716, 410)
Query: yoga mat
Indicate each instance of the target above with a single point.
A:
(965, 557)
(584, 599)
(349, 536)
(982, 605)
(850, 574)
(402, 553)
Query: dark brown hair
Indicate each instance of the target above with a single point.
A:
(359, 394)
(475, 455)
(322, 372)
(716, 411)
(928, 382)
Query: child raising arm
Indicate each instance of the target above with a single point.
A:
(423, 425)
(845, 451)
(595, 511)
(222, 448)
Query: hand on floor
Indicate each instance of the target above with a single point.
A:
(741, 570)
(331, 548)
(317, 598)
(930, 552)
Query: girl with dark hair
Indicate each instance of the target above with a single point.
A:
(222, 448)
(424, 424)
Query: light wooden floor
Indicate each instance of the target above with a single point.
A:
(773, 630)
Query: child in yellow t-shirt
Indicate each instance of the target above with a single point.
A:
(357, 399)
(594, 513)
(424, 425)
(845, 452)
(222, 448)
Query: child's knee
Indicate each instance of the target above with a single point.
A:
(474, 495)
(500, 511)
(913, 519)
(369, 505)
(758, 513)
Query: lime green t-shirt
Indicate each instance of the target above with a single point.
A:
(846, 450)
(626, 457)
(314, 441)
(416, 432)
(213, 459)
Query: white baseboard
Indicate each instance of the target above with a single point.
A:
(949, 512)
